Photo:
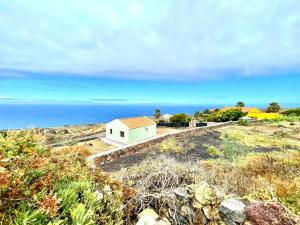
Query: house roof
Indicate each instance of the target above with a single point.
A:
(136, 122)
(243, 109)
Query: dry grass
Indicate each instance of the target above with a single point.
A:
(92, 147)
(260, 176)
(282, 135)
(173, 145)
(155, 180)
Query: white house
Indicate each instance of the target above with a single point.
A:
(130, 130)
(167, 116)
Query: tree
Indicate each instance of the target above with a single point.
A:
(240, 104)
(157, 113)
(198, 114)
(206, 111)
(273, 107)
(179, 118)
(223, 116)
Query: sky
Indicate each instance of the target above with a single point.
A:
(158, 52)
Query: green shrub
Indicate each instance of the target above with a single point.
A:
(244, 122)
(232, 150)
(212, 150)
(170, 145)
(223, 116)
(41, 187)
(181, 117)
(292, 112)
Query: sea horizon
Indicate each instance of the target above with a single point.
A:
(25, 116)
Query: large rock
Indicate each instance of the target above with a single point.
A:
(261, 213)
(203, 195)
(147, 217)
(233, 211)
(181, 193)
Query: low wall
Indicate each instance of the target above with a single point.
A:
(127, 150)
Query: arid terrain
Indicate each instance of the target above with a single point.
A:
(258, 137)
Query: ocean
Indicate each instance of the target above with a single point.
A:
(16, 116)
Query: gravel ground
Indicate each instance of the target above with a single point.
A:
(194, 144)
(196, 151)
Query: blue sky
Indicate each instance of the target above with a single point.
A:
(123, 52)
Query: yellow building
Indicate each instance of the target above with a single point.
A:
(262, 115)
(243, 109)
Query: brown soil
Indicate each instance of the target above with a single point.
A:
(161, 131)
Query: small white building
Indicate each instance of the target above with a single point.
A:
(167, 116)
(130, 130)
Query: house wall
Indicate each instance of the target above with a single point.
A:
(116, 127)
(141, 133)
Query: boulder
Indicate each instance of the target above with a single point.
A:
(147, 217)
(203, 195)
(148, 212)
(146, 220)
(260, 213)
(233, 211)
(181, 193)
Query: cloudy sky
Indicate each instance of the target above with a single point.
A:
(163, 51)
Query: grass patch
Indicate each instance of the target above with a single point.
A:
(263, 176)
(265, 134)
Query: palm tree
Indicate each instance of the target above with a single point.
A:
(157, 113)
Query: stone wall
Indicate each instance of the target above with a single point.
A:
(114, 154)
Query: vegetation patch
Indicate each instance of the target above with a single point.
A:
(170, 145)
(265, 134)
(41, 187)
(263, 176)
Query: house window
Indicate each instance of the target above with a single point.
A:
(110, 130)
(122, 134)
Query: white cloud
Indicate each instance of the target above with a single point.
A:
(151, 39)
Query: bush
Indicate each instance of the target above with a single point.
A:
(292, 112)
(262, 176)
(170, 145)
(156, 178)
(224, 116)
(232, 150)
(212, 150)
(179, 118)
(244, 122)
(40, 187)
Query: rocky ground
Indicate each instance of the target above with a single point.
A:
(201, 204)
(180, 181)
(69, 133)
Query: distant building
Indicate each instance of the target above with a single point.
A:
(166, 116)
(130, 130)
(243, 109)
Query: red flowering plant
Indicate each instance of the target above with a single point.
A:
(41, 187)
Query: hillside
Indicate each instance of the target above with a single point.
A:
(196, 179)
